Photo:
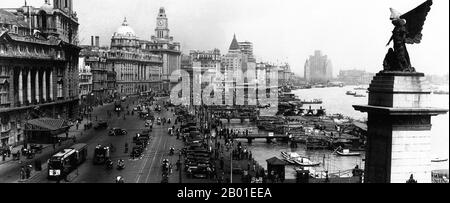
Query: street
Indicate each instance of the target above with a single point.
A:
(146, 169)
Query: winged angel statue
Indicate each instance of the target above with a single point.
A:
(408, 30)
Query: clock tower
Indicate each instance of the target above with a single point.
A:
(162, 25)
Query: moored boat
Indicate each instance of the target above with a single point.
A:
(351, 93)
(346, 152)
(439, 160)
(305, 162)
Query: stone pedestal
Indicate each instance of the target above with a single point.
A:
(399, 124)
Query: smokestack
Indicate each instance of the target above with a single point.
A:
(97, 41)
(92, 40)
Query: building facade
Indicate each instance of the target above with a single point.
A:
(163, 44)
(38, 66)
(85, 79)
(318, 68)
(137, 69)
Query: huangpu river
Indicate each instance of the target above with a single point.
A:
(335, 101)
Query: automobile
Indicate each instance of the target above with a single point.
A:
(117, 132)
(148, 123)
(197, 172)
(101, 125)
(158, 121)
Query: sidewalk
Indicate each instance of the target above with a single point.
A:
(9, 169)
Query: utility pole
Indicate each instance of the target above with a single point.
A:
(180, 168)
(231, 166)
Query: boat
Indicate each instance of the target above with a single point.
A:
(351, 93)
(319, 86)
(360, 88)
(439, 160)
(305, 162)
(346, 152)
(440, 92)
(287, 158)
(359, 95)
(314, 101)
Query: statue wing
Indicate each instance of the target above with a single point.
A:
(415, 19)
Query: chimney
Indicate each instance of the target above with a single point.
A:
(97, 41)
(92, 40)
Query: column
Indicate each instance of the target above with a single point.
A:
(37, 95)
(51, 84)
(44, 86)
(20, 88)
(29, 86)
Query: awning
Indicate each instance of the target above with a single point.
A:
(54, 126)
(360, 125)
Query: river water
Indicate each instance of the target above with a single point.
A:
(336, 101)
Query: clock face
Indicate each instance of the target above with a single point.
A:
(160, 22)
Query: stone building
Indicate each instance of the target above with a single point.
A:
(38, 66)
(137, 69)
(95, 58)
(163, 44)
(85, 80)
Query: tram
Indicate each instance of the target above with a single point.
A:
(64, 162)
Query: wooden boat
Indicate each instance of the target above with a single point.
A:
(350, 93)
(304, 162)
(439, 160)
(346, 152)
(287, 158)
(314, 101)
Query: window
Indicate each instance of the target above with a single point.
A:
(60, 89)
(3, 48)
(4, 71)
(4, 92)
(5, 127)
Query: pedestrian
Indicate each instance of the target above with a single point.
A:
(27, 172)
(78, 124)
(22, 173)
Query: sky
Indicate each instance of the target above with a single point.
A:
(353, 33)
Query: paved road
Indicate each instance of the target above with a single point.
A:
(147, 169)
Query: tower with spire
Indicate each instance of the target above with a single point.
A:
(234, 47)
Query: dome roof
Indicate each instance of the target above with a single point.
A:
(125, 30)
(47, 7)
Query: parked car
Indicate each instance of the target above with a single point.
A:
(117, 132)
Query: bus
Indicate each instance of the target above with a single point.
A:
(64, 162)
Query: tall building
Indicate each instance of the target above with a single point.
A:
(162, 44)
(137, 70)
(38, 68)
(247, 48)
(237, 61)
(318, 68)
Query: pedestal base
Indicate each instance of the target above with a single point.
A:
(399, 124)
